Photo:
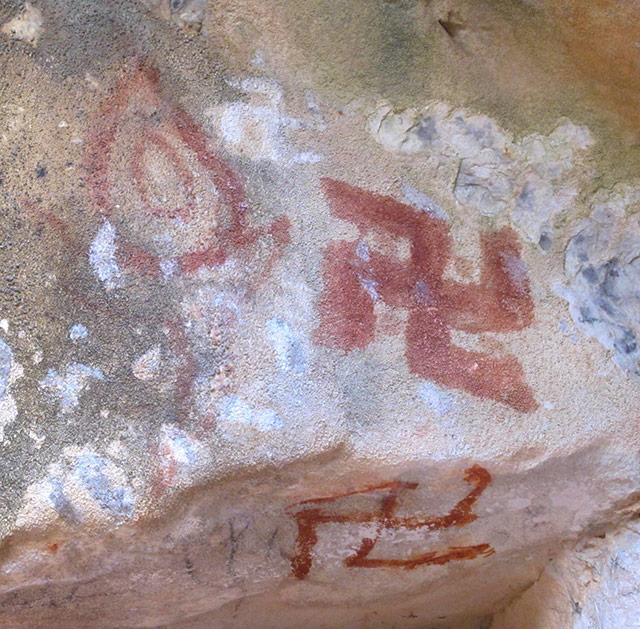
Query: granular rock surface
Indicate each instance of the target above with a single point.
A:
(319, 313)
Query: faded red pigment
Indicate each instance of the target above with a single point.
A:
(167, 118)
(309, 518)
(158, 121)
(355, 278)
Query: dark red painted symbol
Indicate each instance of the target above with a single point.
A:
(148, 159)
(355, 278)
(309, 514)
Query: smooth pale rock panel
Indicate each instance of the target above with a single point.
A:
(318, 314)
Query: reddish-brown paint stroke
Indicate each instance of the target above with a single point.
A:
(354, 278)
(309, 518)
(168, 119)
(186, 374)
(169, 130)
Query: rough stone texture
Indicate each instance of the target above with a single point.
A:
(319, 313)
(491, 173)
(603, 266)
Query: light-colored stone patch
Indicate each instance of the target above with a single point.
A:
(438, 400)
(146, 367)
(102, 256)
(181, 455)
(532, 178)
(6, 359)
(168, 267)
(101, 481)
(68, 387)
(180, 446)
(78, 332)
(594, 585)
(186, 13)
(235, 411)
(10, 371)
(613, 600)
(27, 27)
(287, 346)
(421, 201)
(38, 440)
(257, 128)
(84, 487)
(602, 264)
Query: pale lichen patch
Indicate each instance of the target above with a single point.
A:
(67, 387)
(602, 262)
(10, 371)
(533, 178)
(102, 256)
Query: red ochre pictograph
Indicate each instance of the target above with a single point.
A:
(310, 514)
(142, 146)
(148, 160)
(355, 278)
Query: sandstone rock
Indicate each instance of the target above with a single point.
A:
(318, 314)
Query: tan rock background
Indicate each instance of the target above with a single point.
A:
(319, 313)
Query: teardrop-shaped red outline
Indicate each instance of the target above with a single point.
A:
(141, 76)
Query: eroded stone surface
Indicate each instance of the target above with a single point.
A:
(531, 178)
(602, 264)
(296, 306)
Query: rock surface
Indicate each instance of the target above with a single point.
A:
(319, 313)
